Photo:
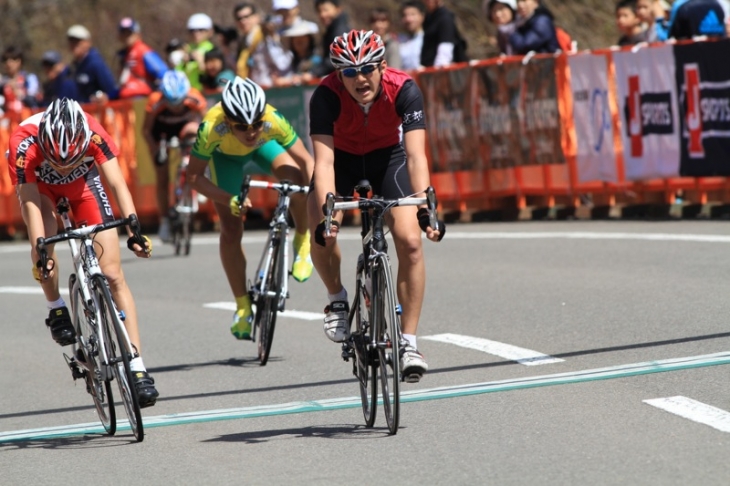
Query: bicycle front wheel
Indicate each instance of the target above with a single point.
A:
(119, 355)
(365, 366)
(267, 305)
(387, 333)
(88, 357)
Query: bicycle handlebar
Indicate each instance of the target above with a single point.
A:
(80, 233)
(331, 206)
(284, 187)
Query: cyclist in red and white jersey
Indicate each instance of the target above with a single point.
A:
(63, 152)
(367, 122)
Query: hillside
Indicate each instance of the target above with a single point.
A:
(38, 25)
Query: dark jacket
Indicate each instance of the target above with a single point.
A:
(536, 34)
(439, 27)
(62, 86)
(92, 74)
(690, 18)
(339, 26)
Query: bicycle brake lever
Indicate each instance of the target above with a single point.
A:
(42, 256)
(432, 204)
(245, 186)
(329, 207)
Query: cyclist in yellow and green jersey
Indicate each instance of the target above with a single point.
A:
(243, 135)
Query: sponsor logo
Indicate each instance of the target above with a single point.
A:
(694, 111)
(494, 119)
(101, 193)
(413, 117)
(707, 108)
(711, 25)
(600, 118)
(20, 162)
(96, 139)
(646, 114)
(49, 175)
(221, 129)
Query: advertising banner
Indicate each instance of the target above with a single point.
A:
(703, 84)
(647, 99)
(449, 124)
(539, 114)
(595, 155)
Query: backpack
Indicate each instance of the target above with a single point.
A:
(564, 40)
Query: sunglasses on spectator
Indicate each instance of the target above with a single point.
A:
(365, 70)
(244, 127)
(197, 30)
(245, 16)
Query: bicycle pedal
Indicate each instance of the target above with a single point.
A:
(347, 352)
(76, 372)
(411, 378)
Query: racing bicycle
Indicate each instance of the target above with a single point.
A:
(102, 351)
(270, 288)
(182, 213)
(376, 343)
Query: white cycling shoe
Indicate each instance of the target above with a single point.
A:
(336, 321)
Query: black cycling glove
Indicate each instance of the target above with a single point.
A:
(424, 221)
(319, 232)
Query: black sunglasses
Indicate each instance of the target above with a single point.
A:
(244, 127)
(244, 16)
(352, 72)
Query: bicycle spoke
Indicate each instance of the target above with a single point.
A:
(388, 335)
(365, 366)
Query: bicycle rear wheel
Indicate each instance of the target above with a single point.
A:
(365, 367)
(387, 325)
(267, 305)
(87, 350)
(120, 354)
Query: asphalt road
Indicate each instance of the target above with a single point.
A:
(577, 325)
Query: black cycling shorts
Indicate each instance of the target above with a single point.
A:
(385, 169)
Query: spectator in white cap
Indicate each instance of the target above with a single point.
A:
(141, 68)
(301, 41)
(288, 11)
(200, 27)
(502, 14)
(94, 79)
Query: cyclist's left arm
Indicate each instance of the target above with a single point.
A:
(409, 105)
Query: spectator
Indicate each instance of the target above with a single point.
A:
(19, 88)
(175, 52)
(412, 14)
(690, 18)
(300, 39)
(380, 24)
(502, 14)
(651, 14)
(200, 27)
(535, 30)
(288, 13)
(249, 27)
(94, 79)
(629, 24)
(59, 79)
(335, 22)
(226, 40)
(271, 61)
(442, 42)
(141, 67)
(215, 76)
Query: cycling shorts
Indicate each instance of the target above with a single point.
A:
(227, 171)
(385, 169)
(87, 197)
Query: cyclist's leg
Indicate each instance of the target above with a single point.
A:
(227, 175)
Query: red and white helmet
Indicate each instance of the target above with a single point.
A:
(64, 134)
(356, 48)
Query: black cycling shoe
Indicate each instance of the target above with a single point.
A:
(145, 385)
(62, 330)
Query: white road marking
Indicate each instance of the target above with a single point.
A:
(294, 314)
(352, 235)
(27, 290)
(523, 356)
(699, 412)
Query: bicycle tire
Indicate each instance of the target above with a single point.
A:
(120, 358)
(267, 306)
(86, 342)
(388, 336)
(364, 368)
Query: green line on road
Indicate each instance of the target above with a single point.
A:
(622, 371)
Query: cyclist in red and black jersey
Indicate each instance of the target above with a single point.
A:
(175, 110)
(62, 153)
(367, 122)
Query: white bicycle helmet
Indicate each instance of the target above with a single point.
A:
(243, 100)
(64, 134)
(356, 48)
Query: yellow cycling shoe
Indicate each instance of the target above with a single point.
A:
(242, 319)
(302, 267)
